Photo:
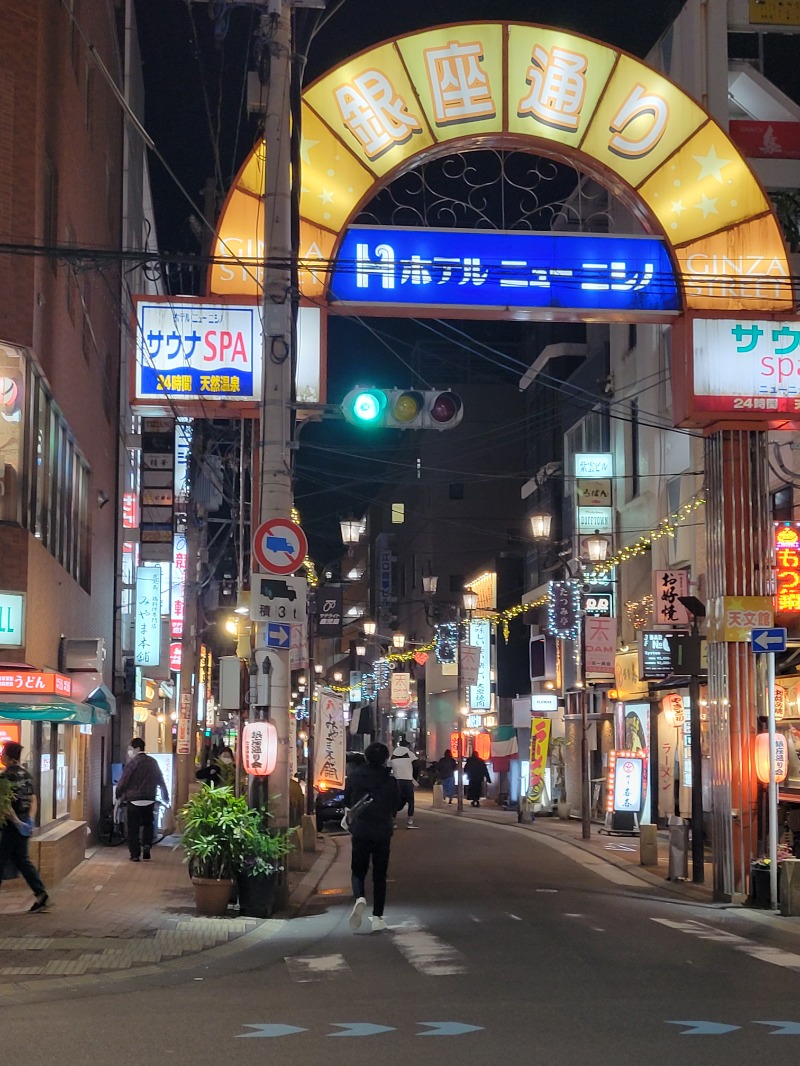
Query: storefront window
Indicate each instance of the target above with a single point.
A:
(63, 744)
(47, 774)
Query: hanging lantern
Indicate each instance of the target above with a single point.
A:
(483, 745)
(455, 745)
(259, 748)
(672, 707)
(762, 758)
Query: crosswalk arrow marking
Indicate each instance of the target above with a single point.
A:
(272, 1030)
(360, 1029)
(449, 1028)
(699, 1028)
(783, 1028)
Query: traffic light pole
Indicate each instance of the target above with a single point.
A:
(274, 460)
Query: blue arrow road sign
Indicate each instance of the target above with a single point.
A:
(278, 636)
(764, 640)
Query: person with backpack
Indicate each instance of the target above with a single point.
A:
(372, 797)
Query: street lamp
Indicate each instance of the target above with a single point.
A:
(398, 641)
(430, 583)
(370, 628)
(541, 522)
(351, 528)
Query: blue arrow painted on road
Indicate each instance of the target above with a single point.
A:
(705, 1028)
(449, 1028)
(783, 1028)
(272, 1030)
(361, 1029)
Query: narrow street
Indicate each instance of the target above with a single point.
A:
(501, 944)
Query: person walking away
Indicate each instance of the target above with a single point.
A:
(446, 773)
(19, 822)
(139, 785)
(371, 831)
(477, 772)
(404, 764)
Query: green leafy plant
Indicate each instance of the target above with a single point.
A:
(215, 823)
(223, 837)
(261, 850)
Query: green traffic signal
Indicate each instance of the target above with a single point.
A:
(365, 406)
(403, 408)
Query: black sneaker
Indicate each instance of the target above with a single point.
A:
(146, 854)
(134, 858)
(40, 904)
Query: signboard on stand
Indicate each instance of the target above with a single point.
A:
(624, 792)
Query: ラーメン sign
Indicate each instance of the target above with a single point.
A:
(443, 90)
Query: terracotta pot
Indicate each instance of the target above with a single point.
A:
(211, 896)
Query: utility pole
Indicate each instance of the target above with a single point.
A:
(274, 460)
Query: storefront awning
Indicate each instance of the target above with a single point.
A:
(104, 703)
(49, 709)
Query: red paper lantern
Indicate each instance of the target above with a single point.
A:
(455, 746)
(259, 748)
(482, 744)
(762, 758)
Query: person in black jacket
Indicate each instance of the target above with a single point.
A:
(371, 831)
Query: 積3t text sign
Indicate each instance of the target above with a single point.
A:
(746, 369)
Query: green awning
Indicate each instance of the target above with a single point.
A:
(49, 709)
(103, 702)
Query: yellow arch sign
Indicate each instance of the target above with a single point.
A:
(502, 84)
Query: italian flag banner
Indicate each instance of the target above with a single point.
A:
(504, 748)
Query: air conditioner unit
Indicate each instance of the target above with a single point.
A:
(83, 654)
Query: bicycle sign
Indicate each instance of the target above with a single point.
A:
(280, 546)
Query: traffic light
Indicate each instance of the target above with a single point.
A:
(403, 408)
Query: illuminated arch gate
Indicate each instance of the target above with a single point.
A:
(515, 85)
(510, 85)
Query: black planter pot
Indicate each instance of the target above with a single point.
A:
(257, 895)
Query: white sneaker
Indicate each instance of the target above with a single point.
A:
(357, 913)
(378, 924)
(410, 824)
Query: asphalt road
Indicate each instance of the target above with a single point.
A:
(501, 948)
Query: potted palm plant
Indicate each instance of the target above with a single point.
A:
(257, 864)
(215, 824)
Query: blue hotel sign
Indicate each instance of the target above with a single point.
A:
(493, 269)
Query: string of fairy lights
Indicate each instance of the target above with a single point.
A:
(446, 634)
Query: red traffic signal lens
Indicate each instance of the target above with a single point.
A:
(445, 408)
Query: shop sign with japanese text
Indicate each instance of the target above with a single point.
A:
(34, 682)
(668, 586)
(599, 647)
(540, 743)
(147, 630)
(787, 568)
(480, 636)
(329, 746)
(193, 350)
(731, 618)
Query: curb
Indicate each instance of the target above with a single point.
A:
(29, 991)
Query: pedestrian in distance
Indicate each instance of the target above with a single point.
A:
(375, 790)
(139, 786)
(477, 772)
(19, 822)
(446, 775)
(219, 770)
(405, 766)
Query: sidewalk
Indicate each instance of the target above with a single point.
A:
(111, 919)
